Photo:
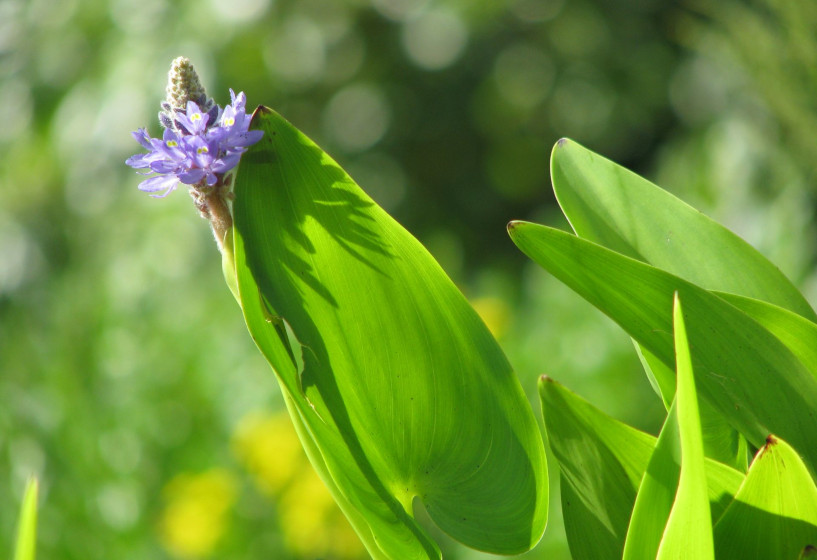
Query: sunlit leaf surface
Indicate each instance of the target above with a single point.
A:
(689, 528)
(612, 206)
(745, 372)
(774, 514)
(396, 387)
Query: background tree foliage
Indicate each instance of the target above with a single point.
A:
(127, 380)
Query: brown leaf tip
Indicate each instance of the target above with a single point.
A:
(771, 440)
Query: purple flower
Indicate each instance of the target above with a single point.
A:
(194, 121)
(232, 132)
(197, 150)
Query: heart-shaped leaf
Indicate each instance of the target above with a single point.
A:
(395, 385)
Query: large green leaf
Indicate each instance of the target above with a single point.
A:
(27, 524)
(774, 514)
(614, 207)
(395, 385)
(743, 370)
(689, 528)
(601, 463)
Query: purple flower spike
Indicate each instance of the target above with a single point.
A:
(198, 149)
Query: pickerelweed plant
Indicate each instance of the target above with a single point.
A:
(400, 394)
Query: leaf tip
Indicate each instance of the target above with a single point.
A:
(771, 440)
(262, 110)
(546, 381)
(562, 142)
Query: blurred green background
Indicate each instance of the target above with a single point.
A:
(128, 382)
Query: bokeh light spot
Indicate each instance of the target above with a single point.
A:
(435, 39)
(119, 505)
(357, 117)
(523, 75)
(16, 252)
(536, 11)
(296, 53)
(398, 10)
(16, 108)
(240, 11)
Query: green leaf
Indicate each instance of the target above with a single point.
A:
(774, 514)
(689, 529)
(656, 494)
(743, 370)
(721, 442)
(609, 205)
(396, 387)
(601, 463)
(27, 524)
(612, 206)
(798, 334)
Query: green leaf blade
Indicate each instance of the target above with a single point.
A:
(774, 513)
(601, 462)
(689, 529)
(27, 523)
(403, 392)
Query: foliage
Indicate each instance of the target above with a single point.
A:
(124, 365)
(754, 374)
(354, 317)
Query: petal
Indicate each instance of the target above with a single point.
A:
(137, 161)
(192, 176)
(165, 166)
(142, 137)
(226, 163)
(158, 183)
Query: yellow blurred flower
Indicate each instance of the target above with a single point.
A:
(269, 449)
(311, 523)
(194, 518)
